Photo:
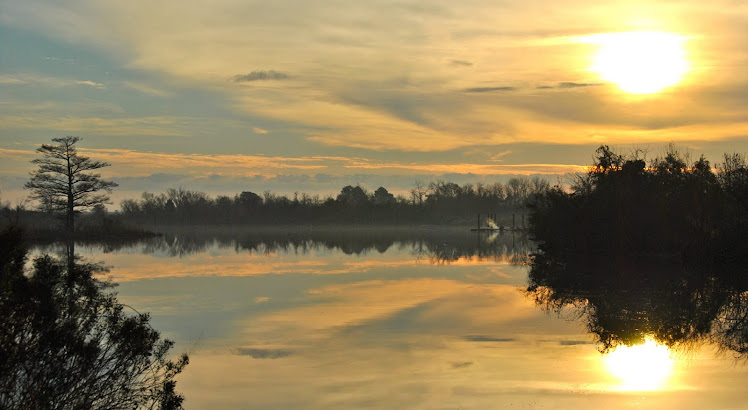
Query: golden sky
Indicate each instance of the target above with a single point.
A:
(234, 95)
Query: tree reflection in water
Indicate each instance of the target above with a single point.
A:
(624, 300)
(434, 245)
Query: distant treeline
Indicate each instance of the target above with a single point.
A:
(438, 245)
(439, 202)
(625, 205)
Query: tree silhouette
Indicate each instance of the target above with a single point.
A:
(353, 196)
(66, 342)
(654, 250)
(383, 197)
(623, 301)
(63, 182)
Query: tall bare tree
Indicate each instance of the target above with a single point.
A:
(63, 182)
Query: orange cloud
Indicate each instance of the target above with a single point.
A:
(134, 163)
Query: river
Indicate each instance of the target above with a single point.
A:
(431, 319)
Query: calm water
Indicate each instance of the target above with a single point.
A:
(395, 319)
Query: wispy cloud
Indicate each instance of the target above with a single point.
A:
(461, 63)
(489, 89)
(12, 80)
(151, 126)
(577, 85)
(256, 353)
(146, 89)
(498, 156)
(242, 165)
(16, 153)
(130, 160)
(567, 85)
(260, 76)
(471, 168)
(62, 60)
(137, 163)
(574, 342)
(484, 338)
(39, 80)
(424, 102)
(93, 84)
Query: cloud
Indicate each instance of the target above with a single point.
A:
(63, 60)
(461, 63)
(567, 85)
(228, 164)
(39, 80)
(264, 353)
(471, 168)
(460, 365)
(258, 130)
(17, 153)
(577, 85)
(6, 79)
(488, 89)
(105, 126)
(396, 53)
(146, 89)
(260, 76)
(93, 84)
(484, 338)
(498, 156)
(574, 342)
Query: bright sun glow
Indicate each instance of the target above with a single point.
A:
(641, 367)
(640, 62)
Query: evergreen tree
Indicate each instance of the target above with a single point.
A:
(63, 182)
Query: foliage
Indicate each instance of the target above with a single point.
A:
(439, 202)
(623, 301)
(63, 183)
(622, 205)
(648, 250)
(66, 342)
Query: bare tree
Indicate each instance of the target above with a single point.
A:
(63, 182)
(418, 192)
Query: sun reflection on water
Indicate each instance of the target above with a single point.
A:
(643, 367)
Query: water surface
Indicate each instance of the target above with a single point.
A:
(386, 319)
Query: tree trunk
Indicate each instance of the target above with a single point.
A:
(69, 221)
(70, 256)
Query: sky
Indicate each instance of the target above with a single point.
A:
(233, 95)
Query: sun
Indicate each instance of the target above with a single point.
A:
(643, 367)
(640, 62)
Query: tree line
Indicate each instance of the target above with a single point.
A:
(624, 205)
(648, 249)
(66, 184)
(438, 202)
